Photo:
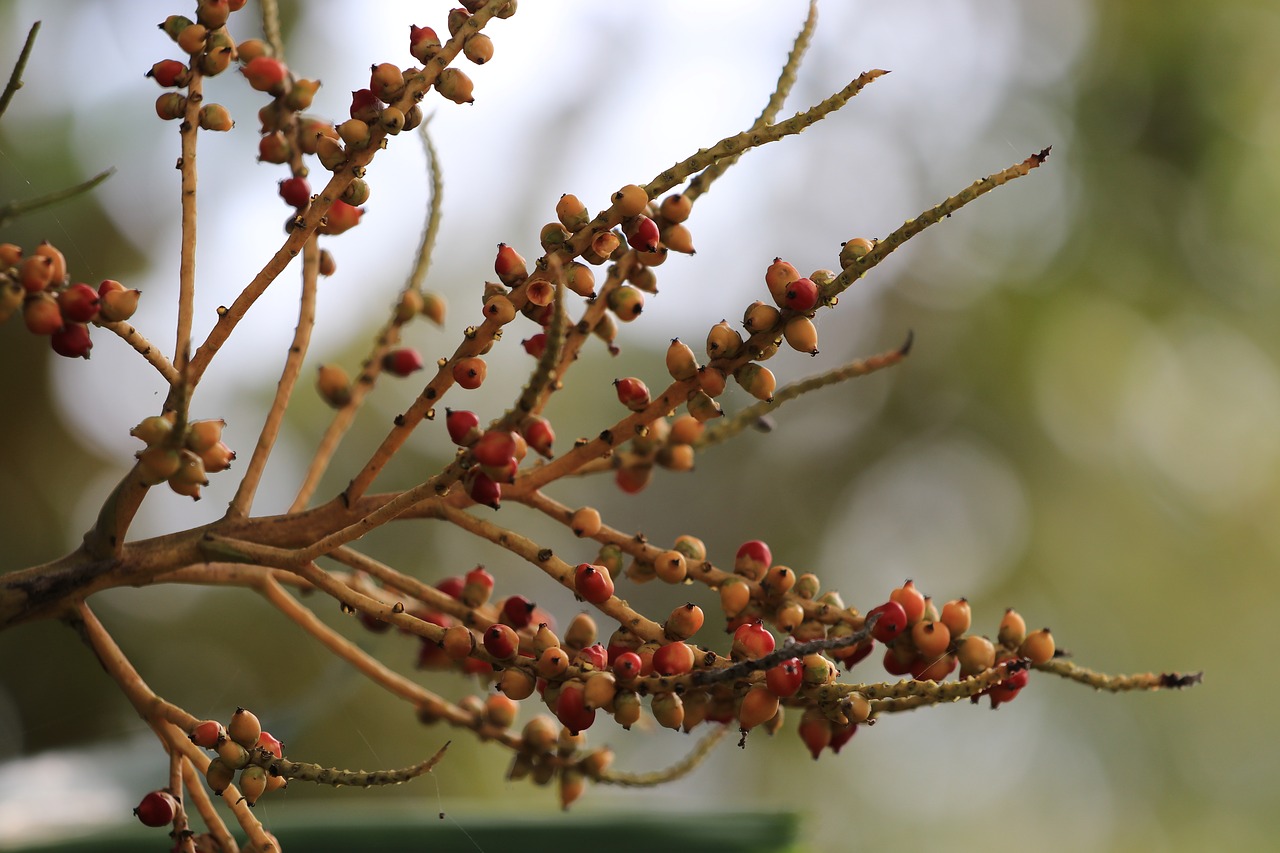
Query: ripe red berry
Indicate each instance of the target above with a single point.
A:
(169, 73)
(753, 559)
(785, 678)
(206, 734)
(535, 345)
(627, 666)
(271, 744)
(341, 217)
(157, 808)
(501, 641)
(296, 192)
(642, 234)
(841, 735)
(517, 611)
(892, 621)
(751, 641)
(801, 295)
(510, 266)
(593, 583)
(463, 426)
(402, 362)
(632, 393)
(484, 490)
(779, 274)
(495, 448)
(72, 341)
(815, 731)
(79, 303)
(572, 710)
(538, 433)
(673, 659)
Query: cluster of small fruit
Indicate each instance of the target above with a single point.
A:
(185, 460)
(236, 746)
(53, 306)
(210, 51)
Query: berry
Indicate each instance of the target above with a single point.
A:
(404, 361)
(778, 276)
(386, 81)
(535, 345)
(785, 678)
(681, 363)
(815, 731)
(423, 43)
(753, 559)
(334, 385)
(1038, 647)
(671, 566)
(244, 728)
(676, 208)
(495, 448)
(501, 641)
(585, 522)
(930, 638)
(552, 663)
(157, 808)
(170, 106)
(509, 266)
(594, 656)
(72, 341)
(673, 659)
(207, 734)
(632, 393)
(723, 341)
(117, 303)
(841, 735)
(463, 426)
(215, 117)
(517, 611)
(800, 295)
(626, 302)
(759, 704)
(469, 372)
(476, 587)
(911, 599)
(760, 317)
(627, 666)
(735, 595)
(668, 710)
(976, 655)
(341, 217)
(253, 784)
(41, 314)
(483, 489)
(455, 86)
(642, 234)
(1013, 629)
(956, 615)
(170, 73)
(266, 74)
(756, 380)
(593, 583)
(751, 641)
(801, 335)
(892, 621)
(571, 709)
(271, 744)
(540, 436)
(630, 201)
(296, 192)
(36, 273)
(685, 621)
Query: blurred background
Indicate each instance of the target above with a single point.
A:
(1087, 429)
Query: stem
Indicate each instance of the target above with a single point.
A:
(144, 347)
(15, 77)
(189, 131)
(243, 500)
(14, 209)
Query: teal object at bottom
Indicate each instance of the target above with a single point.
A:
(306, 830)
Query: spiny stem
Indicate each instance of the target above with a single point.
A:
(669, 774)
(937, 213)
(730, 427)
(243, 500)
(754, 137)
(786, 79)
(337, 778)
(14, 209)
(1121, 683)
(271, 28)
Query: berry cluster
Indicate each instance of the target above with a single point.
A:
(182, 457)
(54, 307)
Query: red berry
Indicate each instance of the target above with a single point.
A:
(463, 426)
(785, 678)
(898, 664)
(341, 217)
(495, 448)
(157, 809)
(840, 736)
(642, 234)
(673, 659)
(535, 345)
(469, 372)
(207, 734)
(450, 586)
(595, 656)
(892, 621)
(423, 43)
(753, 559)
(484, 490)
(632, 393)
(170, 72)
(296, 192)
(815, 731)
(476, 587)
(271, 744)
(509, 266)
(627, 666)
(72, 341)
(572, 710)
(79, 303)
(538, 433)
(365, 105)
(751, 641)
(517, 611)
(402, 362)
(801, 295)
(501, 641)
(265, 73)
(593, 583)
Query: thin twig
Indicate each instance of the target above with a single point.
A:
(14, 209)
(15, 77)
(681, 768)
(145, 348)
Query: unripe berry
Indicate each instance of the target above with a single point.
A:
(632, 393)
(455, 85)
(175, 24)
(244, 728)
(676, 208)
(956, 615)
(801, 335)
(386, 81)
(334, 385)
(402, 362)
(685, 621)
(751, 641)
(36, 273)
(630, 201)
(192, 37)
(674, 659)
(735, 595)
(626, 709)
(266, 74)
(478, 48)
(171, 106)
(355, 133)
(788, 617)
(41, 314)
(552, 663)
(581, 280)
(778, 276)
(930, 638)
(681, 362)
(807, 586)
(626, 302)
(215, 117)
(599, 690)
(668, 710)
(778, 580)
(116, 302)
(976, 655)
(1038, 647)
(854, 250)
(423, 43)
(585, 522)
(671, 566)
(912, 601)
(571, 212)
(477, 587)
(818, 669)
(219, 775)
(330, 151)
(301, 95)
(723, 341)
(500, 710)
(1013, 629)
(701, 407)
(253, 784)
(593, 583)
(892, 621)
(469, 372)
(516, 684)
(250, 49)
(157, 808)
(758, 705)
(933, 668)
(213, 13)
(340, 218)
(232, 754)
(756, 380)
(72, 341)
(357, 192)
(581, 631)
(157, 464)
(458, 642)
(760, 317)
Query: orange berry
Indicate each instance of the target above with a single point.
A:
(957, 616)
(759, 704)
(931, 638)
(1013, 629)
(1038, 647)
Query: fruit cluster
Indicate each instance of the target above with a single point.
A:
(181, 456)
(52, 305)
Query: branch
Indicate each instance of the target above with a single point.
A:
(14, 209)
